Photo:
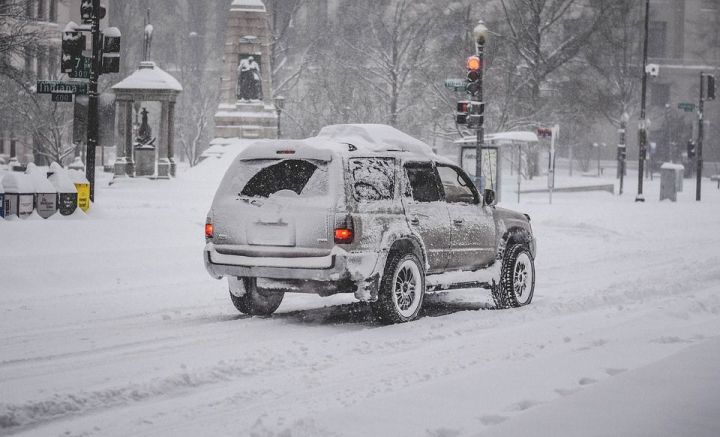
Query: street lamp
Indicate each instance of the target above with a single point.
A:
(642, 132)
(279, 105)
(622, 148)
(480, 34)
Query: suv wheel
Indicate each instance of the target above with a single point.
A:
(402, 289)
(517, 278)
(256, 302)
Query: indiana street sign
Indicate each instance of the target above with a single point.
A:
(687, 107)
(51, 86)
(81, 69)
(62, 96)
(456, 84)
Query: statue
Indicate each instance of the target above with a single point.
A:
(145, 132)
(249, 86)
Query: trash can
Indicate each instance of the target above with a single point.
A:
(45, 191)
(19, 194)
(83, 188)
(670, 181)
(67, 193)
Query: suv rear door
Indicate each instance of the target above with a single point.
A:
(473, 227)
(426, 213)
(279, 207)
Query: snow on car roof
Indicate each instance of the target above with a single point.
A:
(375, 138)
(341, 140)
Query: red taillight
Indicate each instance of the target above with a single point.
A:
(285, 152)
(344, 236)
(208, 230)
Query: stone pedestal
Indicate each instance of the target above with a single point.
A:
(247, 35)
(246, 120)
(145, 161)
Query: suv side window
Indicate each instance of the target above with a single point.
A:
(458, 187)
(372, 178)
(424, 182)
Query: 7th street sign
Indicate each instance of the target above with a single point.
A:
(687, 107)
(56, 86)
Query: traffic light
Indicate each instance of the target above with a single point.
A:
(474, 67)
(709, 87)
(73, 44)
(111, 50)
(691, 149)
(476, 112)
(461, 116)
(86, 11)
(621, 153)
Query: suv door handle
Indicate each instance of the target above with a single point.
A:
(415, 221)
(458, 222)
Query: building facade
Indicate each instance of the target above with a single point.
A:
(43, 62)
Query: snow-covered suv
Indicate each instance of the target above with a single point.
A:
(362, 209)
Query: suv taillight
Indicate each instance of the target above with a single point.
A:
(345, 231)
(208, 230)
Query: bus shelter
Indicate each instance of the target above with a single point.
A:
(492, 156)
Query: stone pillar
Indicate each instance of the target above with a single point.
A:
(163, 163)
(171, 138)
(125, 164)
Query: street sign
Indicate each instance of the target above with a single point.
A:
(52, 86)
(81, 69)
(456, 84)
(687, 107)
(62, 96)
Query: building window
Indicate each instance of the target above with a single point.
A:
(42, 10)
(30, 8)
(709, 5)
(53, 11)
(53, 63)
(657, 39)
(659, 94)
(29, 64)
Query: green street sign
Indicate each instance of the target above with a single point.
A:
(456, 84)
(56, 86)
(687, 107)
(81, 69)
(62, 96)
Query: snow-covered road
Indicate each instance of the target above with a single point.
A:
(109, 325)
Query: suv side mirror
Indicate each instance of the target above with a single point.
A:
(489, 197)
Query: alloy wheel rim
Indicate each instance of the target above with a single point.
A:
(523, 278)
(407, 288)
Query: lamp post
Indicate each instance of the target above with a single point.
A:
(642, 132)
(480, 33)
(622, 148)
(279, 105)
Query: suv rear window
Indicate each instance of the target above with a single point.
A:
(268, 177)
(372, 178)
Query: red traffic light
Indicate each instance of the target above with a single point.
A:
(463, 106)
(473, 63)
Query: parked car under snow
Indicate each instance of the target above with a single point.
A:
(362, 209)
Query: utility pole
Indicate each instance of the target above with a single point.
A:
(642, 133)
(707, 92)
(622, 149)
(92, 129)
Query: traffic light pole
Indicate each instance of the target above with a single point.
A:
(480, 48)
(642, 133)
(701, 132)
(92, 128)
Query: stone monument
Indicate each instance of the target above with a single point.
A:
(246, 109)
(149, 83)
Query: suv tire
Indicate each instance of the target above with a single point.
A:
(257, 302)
(517, 278)
(402, 289)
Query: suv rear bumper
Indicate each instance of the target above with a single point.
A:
(339, 265)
